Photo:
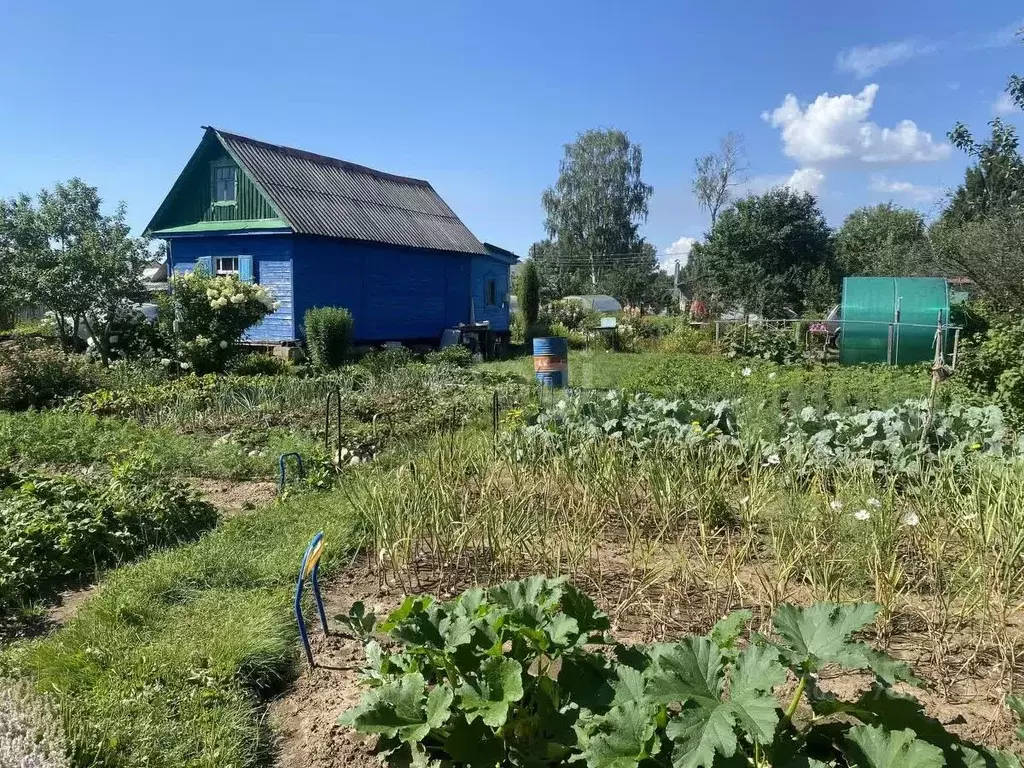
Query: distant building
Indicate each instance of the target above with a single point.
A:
(317, 231)
(598, 302)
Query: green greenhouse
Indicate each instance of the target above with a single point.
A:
(893, 320)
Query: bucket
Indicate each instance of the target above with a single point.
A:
(551, 361)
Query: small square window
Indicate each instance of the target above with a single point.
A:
(224, 183)
(226, 265)
(492, 293)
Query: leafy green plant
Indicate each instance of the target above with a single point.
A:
(380, 361)
(39, 376)
(525, 674)
(777, 345)
(328, 336)
(455, 355)
(258, 365)
(56, 529)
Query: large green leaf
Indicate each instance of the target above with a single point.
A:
(699, 733)
(814, 637)
(688, 670)
(499, 683)
(538, 591)
(756, 673)
(871, 746)
(692, 672)
(402, 708)
(624, 737)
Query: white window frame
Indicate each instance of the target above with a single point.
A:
(222, 265)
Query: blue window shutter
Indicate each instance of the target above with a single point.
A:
(245, 269)
(206, 262)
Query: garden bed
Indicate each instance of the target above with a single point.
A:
(965, 691)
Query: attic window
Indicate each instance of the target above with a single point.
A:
(225, 178)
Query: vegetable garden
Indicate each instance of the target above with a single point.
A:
(864, 541)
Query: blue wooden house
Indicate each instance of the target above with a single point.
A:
(317, 231)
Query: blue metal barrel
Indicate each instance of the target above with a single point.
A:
(551, 361)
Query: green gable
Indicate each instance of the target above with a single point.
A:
(191, 205)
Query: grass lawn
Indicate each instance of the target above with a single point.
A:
(168, 664)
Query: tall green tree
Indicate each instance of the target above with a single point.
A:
(883, 240)
(529, 293)
(70, 258)
(763, 253)
(980, 234)
(592, 217)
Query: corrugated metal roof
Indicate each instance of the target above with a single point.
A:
(319, 195)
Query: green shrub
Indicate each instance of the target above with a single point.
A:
(256, 364)
(204, 318)
(328, 336)
(515, 675)
(992, 364)
(379, 361)
(39, 376)
(56, 530)
(778, 345)
(686, 339)
(576, 339)
(456, 355)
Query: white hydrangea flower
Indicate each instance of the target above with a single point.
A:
(237, 298)
(185, 366)
(165, 362)
(862, 514)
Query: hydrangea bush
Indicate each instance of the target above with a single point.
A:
(205, 317)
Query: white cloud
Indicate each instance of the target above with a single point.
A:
(1004, 105)
(678, 251)
(836, 128)
(917, 193)
(1004, 36)
(865, 60)
(954, 86)
(806, 180)
(801, 180)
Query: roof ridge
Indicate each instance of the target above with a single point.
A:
(318, 158)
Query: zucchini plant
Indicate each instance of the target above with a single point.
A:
(526, 674)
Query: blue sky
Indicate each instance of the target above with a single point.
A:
(480, 97)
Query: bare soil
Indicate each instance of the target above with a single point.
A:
(234, 497)
(965, 694)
